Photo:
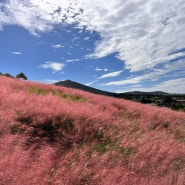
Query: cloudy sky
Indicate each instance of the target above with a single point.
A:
(119, 45)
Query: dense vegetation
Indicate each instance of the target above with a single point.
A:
(172, 101)
(52, 135)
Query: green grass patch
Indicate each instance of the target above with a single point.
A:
(179, 135)
(127, 151)
(17, 129)
(179, 163)
(58, 93)
(38, 91)
(85, 178)
(105, 145)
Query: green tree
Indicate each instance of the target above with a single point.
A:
(21, 75)
(8, 75)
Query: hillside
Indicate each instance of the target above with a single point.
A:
(76, 85)
(52, 135)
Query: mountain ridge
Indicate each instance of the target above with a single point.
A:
(72, 84)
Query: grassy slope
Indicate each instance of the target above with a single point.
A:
(54, 135)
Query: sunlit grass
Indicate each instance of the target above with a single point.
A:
(58, 93)
(55, 135)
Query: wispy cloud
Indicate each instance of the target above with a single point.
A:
(50, 81)
(55, 66)
(171, 86)
(113, 74)
(100, 69)
(57, 46)
(90, 83)
(73, 60)
(153, 75)
(16, 53)
(86, 38)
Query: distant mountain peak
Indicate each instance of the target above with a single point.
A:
(72, 84)
(68, 80)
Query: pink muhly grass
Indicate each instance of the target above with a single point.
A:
(20, 166)
(55, 135)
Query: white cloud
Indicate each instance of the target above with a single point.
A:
(57, 46)
(73, 60)
(155, 74)
(133, 80)
(50, 81)
(90, 83)
(86, 38)
(170, 86)
(142, 33)
(113, 74)
(55, 66)
(16, 53)
(99, 69)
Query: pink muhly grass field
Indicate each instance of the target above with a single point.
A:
(60, 136)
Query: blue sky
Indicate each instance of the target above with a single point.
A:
(119, 46)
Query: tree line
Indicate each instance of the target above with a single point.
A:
(20, 75)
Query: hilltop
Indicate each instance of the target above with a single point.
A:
(52, 135)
